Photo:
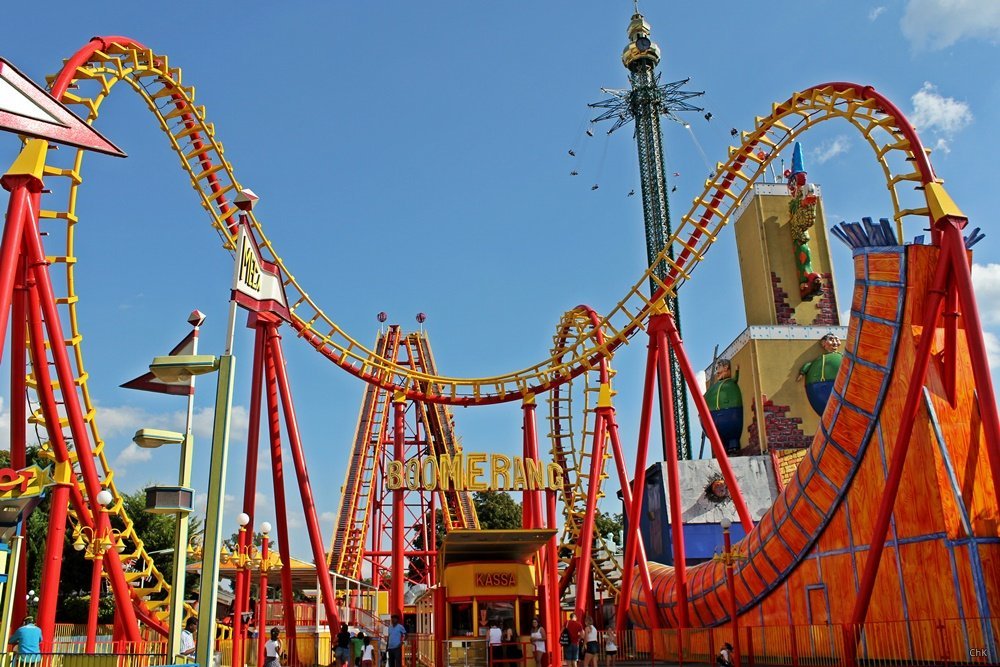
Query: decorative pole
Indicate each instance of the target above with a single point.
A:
(728, 557)
(645, 102)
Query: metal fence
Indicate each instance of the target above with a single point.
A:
(83, 660)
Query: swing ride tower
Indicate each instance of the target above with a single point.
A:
(645, 101)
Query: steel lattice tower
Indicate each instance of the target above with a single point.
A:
(645, 102)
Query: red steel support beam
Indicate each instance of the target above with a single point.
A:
(18, 207)
(978, 355)
(670, 329)
(280, 506)
(398, 519)
(673, 473)
(932, 308)
(81, 439)
(584, 584)
(95, 597)
(242, 592)
(18, 422)
(640, 548)
(531, 512)
(59, 504)
(633, 534)
(305, 489)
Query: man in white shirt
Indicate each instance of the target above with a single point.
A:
(495, 638)
(187, 638)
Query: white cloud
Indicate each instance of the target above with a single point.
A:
(937, 24)
(201, 502)
(941, 145)
(875, 13)
(132, 454)
(830, 149)
(992, 349)
(700, 378)
(939, 114)
(986, 283)
(119, 420)
(327, 518)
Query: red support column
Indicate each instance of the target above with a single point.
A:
(18, 422)
(584, 583)
(60, 499)
(81, 438)
(673, 470)
(962, 280)
(305, 490)
(706, 423)
(20, 188)
(242, 592)
(396, 590)
(633, 535)
(917, 377)
(640, 548)
(280, 507)
(532, 511)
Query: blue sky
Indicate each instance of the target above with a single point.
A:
(413, 157)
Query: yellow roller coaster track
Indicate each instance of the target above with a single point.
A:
(89, 77)
(572, 434)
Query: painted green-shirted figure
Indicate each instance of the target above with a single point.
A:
(821, 372)
(725, 402)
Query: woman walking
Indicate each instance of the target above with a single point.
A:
(593, 646)
(538, 642)
(272, 649)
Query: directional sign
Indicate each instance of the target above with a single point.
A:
(26, 108)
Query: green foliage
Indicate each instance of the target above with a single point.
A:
(610, 524)
(496, 510)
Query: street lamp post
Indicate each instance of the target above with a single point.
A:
(265, 563)
(171, 369)
(728, 557)
(242, 559)
(97, 544)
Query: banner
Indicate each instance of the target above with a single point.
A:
(257, 284)
(149, 382)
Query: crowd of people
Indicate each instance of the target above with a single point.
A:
(584, 641)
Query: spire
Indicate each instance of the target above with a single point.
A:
(798, 167)
(640, 47)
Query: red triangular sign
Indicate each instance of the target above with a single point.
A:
(26, 108)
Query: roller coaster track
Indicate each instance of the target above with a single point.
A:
(89, 76)
(572, 450)
(371, 434)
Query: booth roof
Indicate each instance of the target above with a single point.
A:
(469, 546)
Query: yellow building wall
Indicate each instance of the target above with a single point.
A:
(764, 246)
(768, 380)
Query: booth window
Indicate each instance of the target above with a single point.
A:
(502, 612)
(527, 614)
(461, 619)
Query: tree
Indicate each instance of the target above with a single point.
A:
(496, 510)
(609, 524)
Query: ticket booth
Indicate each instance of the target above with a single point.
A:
(487, 576)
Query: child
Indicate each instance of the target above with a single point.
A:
(368, 654)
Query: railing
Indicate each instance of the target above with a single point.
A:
(83, 660)
(305, 614)
(920, 642)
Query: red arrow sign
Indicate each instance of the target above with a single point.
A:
(26, 108)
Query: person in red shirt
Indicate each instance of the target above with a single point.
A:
(575, 630)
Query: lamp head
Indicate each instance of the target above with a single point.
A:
(104, 498)
(265, 528)
(242, 519)
(726, 523)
